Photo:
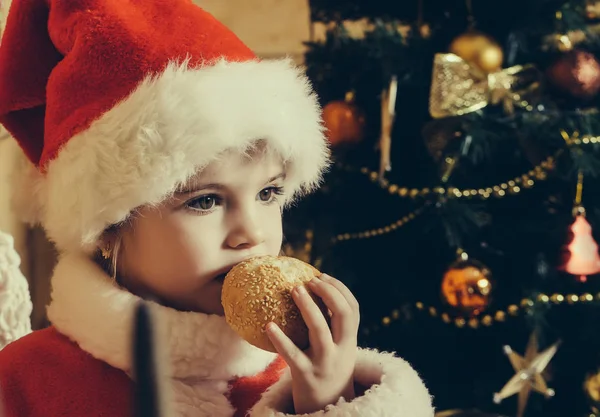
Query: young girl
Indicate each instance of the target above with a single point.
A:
(164, 153)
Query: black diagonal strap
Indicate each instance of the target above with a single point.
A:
(147, 392)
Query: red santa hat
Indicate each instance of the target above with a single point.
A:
(116, 103)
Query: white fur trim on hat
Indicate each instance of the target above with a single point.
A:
(394, 389)
(173, 124)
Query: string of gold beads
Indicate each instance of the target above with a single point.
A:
(487, 320)
(512, 186)
(576, 140)
(381, 230)
(586, 140)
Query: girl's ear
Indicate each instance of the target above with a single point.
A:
(109, 246)
(106, 244)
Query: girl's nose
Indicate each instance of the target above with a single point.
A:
(246, 232)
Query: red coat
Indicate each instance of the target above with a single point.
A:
(46, 375)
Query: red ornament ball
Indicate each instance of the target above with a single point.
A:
(344, 121)
(576, 73)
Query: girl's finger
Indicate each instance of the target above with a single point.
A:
(293, 356)
(344, 323)
(344, 290)
(319, 333)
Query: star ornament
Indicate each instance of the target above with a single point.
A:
(528, 374)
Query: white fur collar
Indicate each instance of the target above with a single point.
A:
(95, 313)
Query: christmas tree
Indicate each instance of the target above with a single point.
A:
(462, 207)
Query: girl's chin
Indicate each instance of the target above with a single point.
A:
(216, 310)
(211, 308)
(207, 302)
(205, 299)
(220, 278)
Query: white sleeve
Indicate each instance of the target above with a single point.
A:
(15, 300)
(394, 389)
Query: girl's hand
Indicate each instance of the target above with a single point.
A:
(324, 372)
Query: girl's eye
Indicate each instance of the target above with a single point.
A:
(203, 203)
(268, 194)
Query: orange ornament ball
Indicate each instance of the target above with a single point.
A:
(467, 286)
(344, 121)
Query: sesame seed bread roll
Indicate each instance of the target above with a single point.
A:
(258, 291)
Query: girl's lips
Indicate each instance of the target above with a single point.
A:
(221, 276)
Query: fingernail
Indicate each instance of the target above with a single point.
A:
(325, 277)
(301, 290)
(313, 281)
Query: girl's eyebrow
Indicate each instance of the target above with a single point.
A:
(193, 188)
(280, 176)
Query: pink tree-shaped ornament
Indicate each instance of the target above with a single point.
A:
(583, 250)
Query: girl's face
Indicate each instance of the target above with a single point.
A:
(178, 253)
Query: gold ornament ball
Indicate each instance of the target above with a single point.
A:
(591, 387)
(479, 50)
(468, 45)
(467, 286)
(490, 58)
(258, 291)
